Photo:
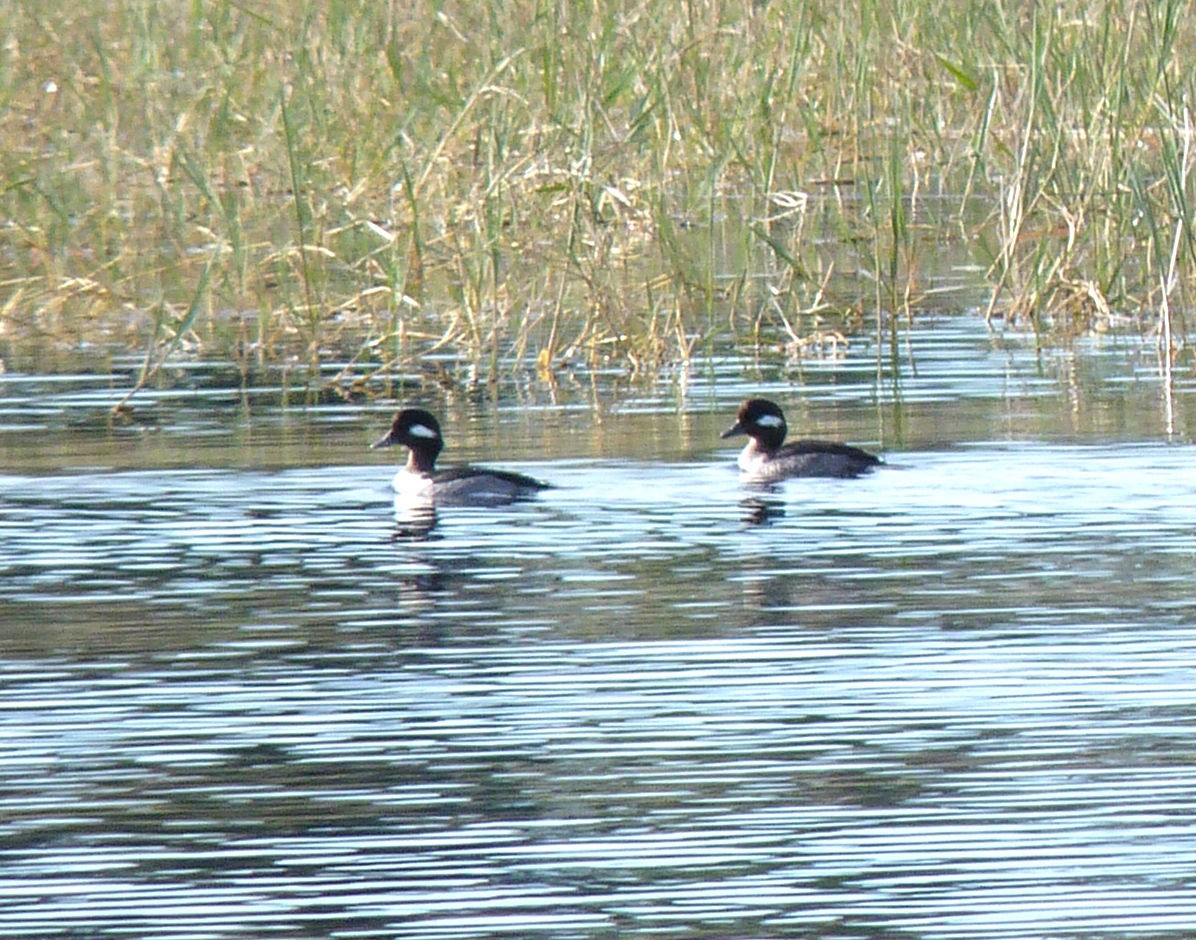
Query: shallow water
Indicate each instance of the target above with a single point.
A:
(952, 699)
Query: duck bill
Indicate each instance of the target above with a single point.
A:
(386, 441)
(733, 431)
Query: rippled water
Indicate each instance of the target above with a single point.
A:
(952, 699)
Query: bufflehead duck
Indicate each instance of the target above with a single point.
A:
(766, 458)
(419, 432)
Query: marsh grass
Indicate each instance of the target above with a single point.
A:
(533, 183)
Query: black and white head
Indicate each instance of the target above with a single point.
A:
(761, 420)
(419, 432)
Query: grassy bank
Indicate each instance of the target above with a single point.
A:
(532, 181)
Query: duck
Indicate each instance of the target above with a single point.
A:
(419, 481)
(766, 458)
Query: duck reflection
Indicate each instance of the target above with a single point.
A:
(761, 508)
(415, 520)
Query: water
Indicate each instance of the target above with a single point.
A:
(952, 699)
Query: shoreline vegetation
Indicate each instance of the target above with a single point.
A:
(534, 183)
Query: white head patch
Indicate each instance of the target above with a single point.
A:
(422, 430)
(769, 421)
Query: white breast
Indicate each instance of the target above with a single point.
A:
(412, 487)
(751, 461)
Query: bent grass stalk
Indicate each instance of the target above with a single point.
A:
(155, 359)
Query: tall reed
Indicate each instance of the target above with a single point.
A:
(543, 182)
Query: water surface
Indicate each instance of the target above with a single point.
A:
(951, 699)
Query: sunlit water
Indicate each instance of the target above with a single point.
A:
(952, 699)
